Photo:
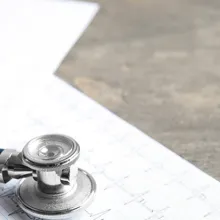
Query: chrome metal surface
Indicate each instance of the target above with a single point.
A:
(50, 178)
(52, 187)
(56, 206)
(11, 166)
(19, 172)
(50, 152)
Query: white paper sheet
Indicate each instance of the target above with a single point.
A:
(137, 177)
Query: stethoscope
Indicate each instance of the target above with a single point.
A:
(51, 185)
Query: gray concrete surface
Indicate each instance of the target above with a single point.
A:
(156, 64)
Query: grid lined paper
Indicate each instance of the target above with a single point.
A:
(137, 178)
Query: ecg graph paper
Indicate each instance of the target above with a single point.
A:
(137, 178)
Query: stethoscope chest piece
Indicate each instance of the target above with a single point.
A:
(52, 187)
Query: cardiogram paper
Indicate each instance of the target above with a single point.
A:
(137, 178)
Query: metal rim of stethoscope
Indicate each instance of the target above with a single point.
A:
(63, 162)
(62, 214)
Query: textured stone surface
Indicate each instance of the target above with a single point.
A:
(156, 64)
